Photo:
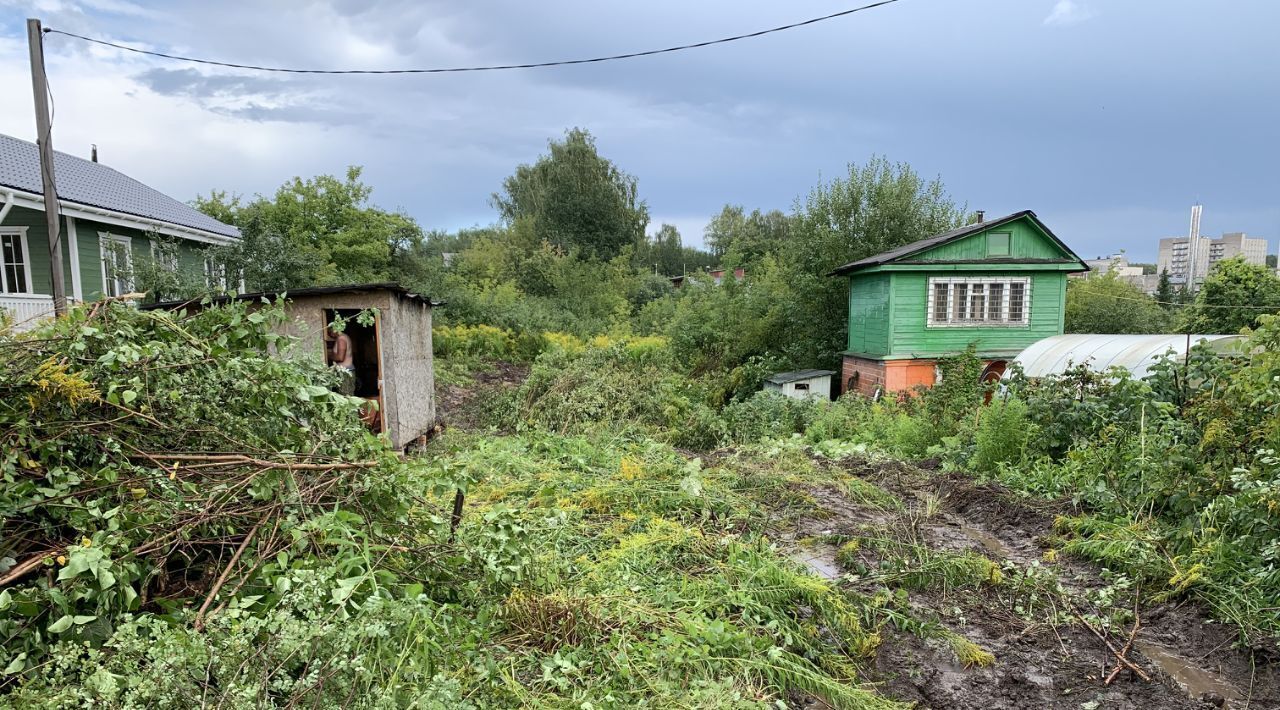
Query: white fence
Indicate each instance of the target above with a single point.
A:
(26, 308)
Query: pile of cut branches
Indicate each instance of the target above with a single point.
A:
(170, 463)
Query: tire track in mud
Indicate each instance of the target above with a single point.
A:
(1043, 659)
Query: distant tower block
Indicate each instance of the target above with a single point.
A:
(1193, 246)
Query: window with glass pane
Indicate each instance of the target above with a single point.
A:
(164, 256)
(978, 302)
(995, 302)
(1017, 302)
(116, 257)
(940, 291)
(960, 299)
(13, 277)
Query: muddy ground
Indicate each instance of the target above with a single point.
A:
(1046, 657)
(457, 404)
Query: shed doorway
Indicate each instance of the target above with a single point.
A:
(366, 360)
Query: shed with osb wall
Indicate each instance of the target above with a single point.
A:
(391, 352)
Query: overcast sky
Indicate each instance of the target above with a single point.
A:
(1109, 118)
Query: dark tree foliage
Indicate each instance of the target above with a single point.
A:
(664, 253)
(317, 231)
(1234, 296)
(742, 238)
(1109, 304)
(575, 199)
(1165, 295)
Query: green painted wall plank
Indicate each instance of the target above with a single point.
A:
(869, 314)
(88, 234)
(913, 338)
(1026, 242)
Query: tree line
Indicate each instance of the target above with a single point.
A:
(571, 250)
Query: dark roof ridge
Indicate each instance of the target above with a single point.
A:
(950, 236)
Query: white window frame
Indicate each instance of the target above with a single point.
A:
(5, 288)
(215, 274)
(105, 241)
(168, 262)
(958, 315)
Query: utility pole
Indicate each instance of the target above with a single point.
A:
(44, 139)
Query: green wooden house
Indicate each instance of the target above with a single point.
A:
(1000, 285)
(108, 223)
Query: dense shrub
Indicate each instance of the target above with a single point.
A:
(621, 386)
(768, 415)
(1002, 436)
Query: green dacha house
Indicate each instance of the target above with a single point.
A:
(1000, 285)
(108, 222)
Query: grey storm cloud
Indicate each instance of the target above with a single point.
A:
(1106, 118)
(195, 84)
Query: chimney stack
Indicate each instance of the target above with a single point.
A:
(982, 214)
(93, 153)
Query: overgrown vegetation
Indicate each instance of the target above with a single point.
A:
(162, 550)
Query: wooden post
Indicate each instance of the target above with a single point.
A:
(44, 139)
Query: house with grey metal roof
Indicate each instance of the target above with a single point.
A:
(109, 224)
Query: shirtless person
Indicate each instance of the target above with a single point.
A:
(340, 356)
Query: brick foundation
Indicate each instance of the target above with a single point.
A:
(901, 376)
(886, 375)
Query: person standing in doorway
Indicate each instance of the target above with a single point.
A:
(341, 356)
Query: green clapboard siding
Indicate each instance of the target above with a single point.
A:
(88, 237)
(1026, 242)
(869, 315)
(38, 245)
(888, 303)
(912, 338)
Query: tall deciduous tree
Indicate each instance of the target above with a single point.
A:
(1232, 297)
(575, 199)
(317, 231)
(1109, 304)
(874, 208)
(742, 239)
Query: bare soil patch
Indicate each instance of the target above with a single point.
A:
(1046, 657)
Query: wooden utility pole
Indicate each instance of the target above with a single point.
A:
(44, 139)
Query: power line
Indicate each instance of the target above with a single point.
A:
(1190, 304)
(493, 67)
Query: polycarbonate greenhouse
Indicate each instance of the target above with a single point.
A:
(1136, 353)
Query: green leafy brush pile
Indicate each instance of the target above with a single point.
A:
(163, 472)
(188, 521)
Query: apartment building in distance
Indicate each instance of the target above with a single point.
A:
(1190, 259)
(1118, 264)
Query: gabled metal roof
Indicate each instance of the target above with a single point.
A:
(927, 243)
(95, 185)
(1136, 353)
(784, 377)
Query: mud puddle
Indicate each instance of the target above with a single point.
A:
(1041, 660)
(1199, 683)
(820, 560)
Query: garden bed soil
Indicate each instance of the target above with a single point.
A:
(1192, 660)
